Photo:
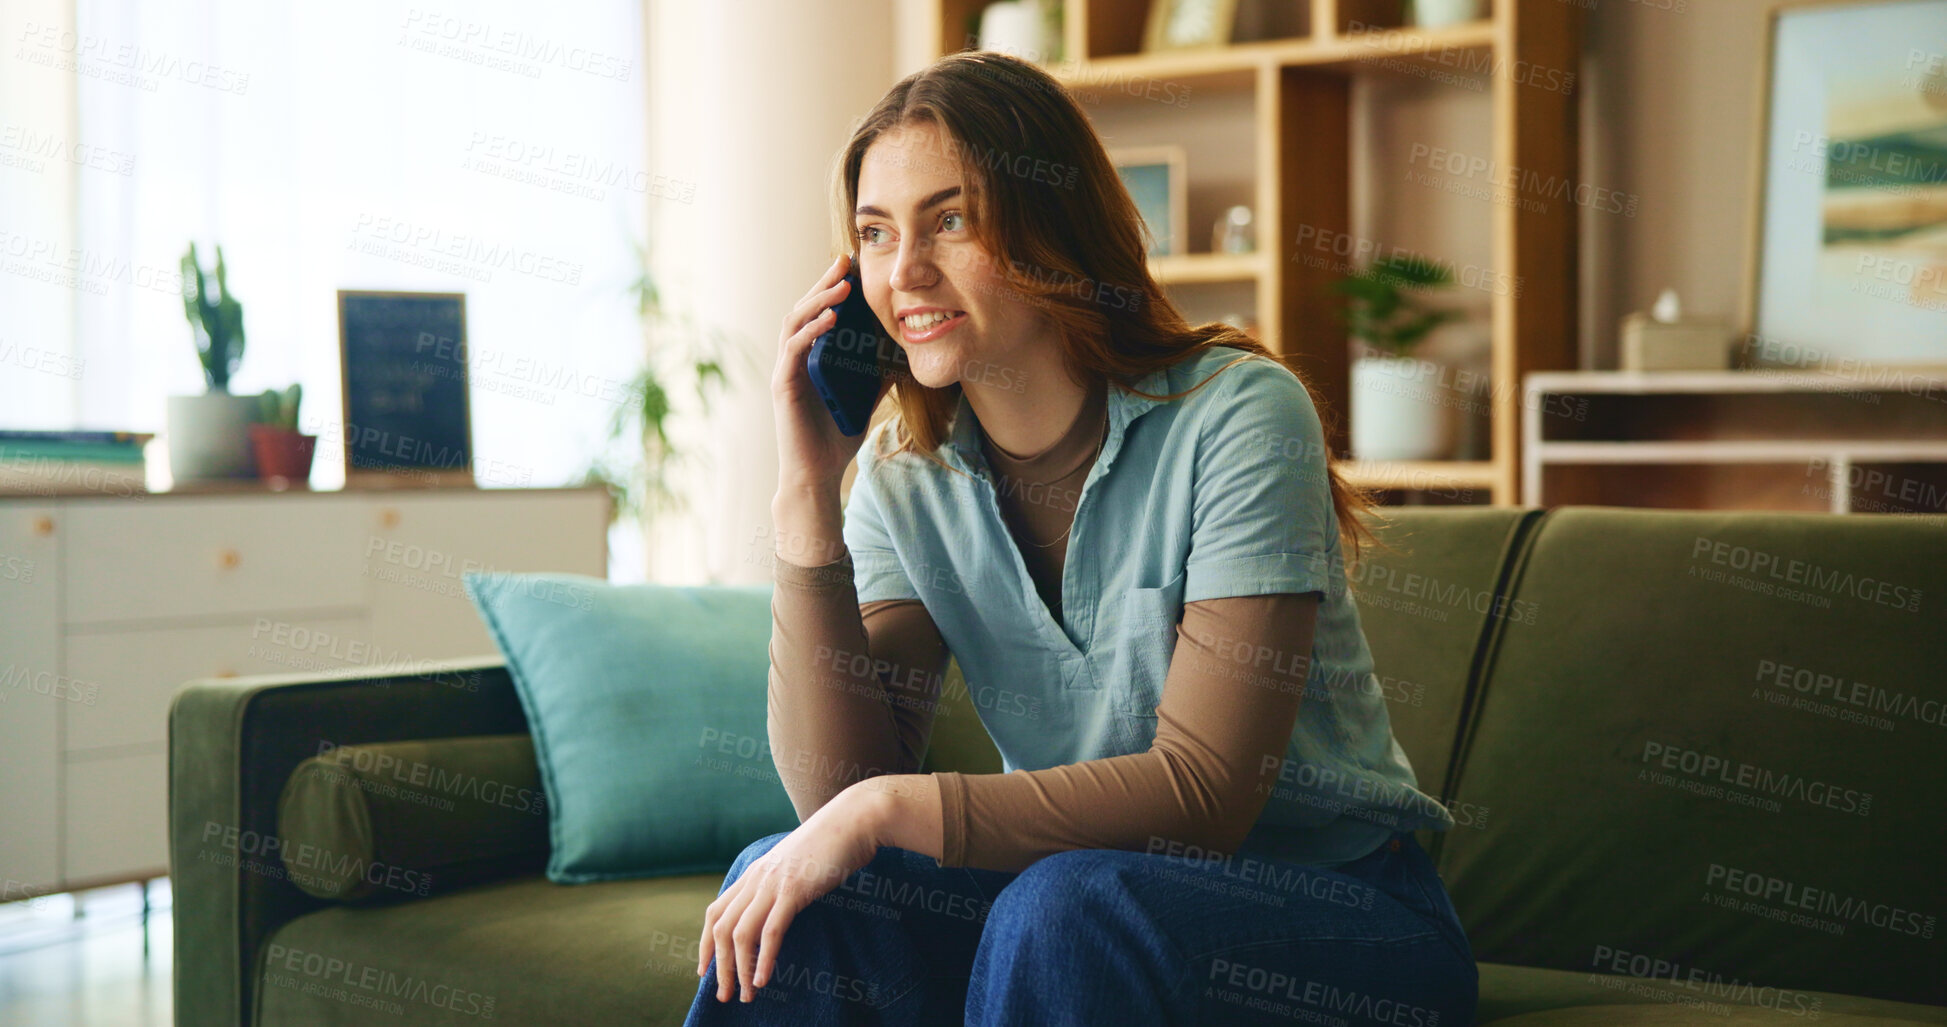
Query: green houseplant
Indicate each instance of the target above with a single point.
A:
(283, 453)
(1400, 411)
(209, 433)
(681, 356)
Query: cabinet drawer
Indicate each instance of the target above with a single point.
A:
(124, 679)
(184, 557)
(30, 651)
(116, 818)
(424, 545)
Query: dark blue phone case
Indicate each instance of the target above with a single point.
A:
(847, 362)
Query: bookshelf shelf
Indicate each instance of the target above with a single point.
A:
(1208, 267)
(1299, 140)
(1420, 475)
(1752, 439)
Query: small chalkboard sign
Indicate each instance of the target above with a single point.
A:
(404, 372)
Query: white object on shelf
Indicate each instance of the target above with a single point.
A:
(1433, 14)
(209, 436)
(1400, 411)
(1667, 309)
(1016, 28)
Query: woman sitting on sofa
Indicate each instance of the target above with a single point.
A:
(1130, 534)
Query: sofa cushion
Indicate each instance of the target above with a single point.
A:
(522, 951)
(1716, 746)
(1521, 996)
(647, 706)
(398, 819)
(959, 741)
(1425, 603)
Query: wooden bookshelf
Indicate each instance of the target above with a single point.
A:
(1299, 88)
(1208, 267)
(1746, 440)
(1422, 475)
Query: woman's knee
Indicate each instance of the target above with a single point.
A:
(1057, 890)
(751, 854)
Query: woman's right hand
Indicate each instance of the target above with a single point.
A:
(812, 452)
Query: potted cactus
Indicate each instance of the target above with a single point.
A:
(209, 433)
(283, 453)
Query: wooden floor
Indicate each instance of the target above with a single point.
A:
(95, 970)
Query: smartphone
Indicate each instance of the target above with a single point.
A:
(848, 362)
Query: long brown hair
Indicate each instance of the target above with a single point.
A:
(1065, 235)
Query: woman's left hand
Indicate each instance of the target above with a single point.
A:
(746, 923)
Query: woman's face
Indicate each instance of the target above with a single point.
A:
(932, 285)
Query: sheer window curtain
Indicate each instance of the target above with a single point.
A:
(490, 148)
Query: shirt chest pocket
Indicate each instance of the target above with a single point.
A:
(1147, 639)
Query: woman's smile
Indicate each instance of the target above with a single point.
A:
(929, 324)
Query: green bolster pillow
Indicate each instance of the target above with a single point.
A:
(402, 819)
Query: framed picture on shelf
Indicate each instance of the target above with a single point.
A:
(403, 368)
(1187, 24)
(1156, 179)
(1848, 257)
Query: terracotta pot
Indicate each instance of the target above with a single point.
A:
(282, 453)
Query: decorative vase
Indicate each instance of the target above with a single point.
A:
(1017, 28)
(1433, 14)
(283, 453)
(1399, 410)
(209, 436)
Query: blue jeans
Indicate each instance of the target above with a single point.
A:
(1104, 936)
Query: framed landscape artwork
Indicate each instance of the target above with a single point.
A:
(1155, 177)
(1849, 254)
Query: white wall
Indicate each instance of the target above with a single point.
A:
(752, 99)
(1670, 117)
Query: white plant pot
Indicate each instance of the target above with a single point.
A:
(1016, 28)
(1433, 14)
(1400, 411)
(209, 436)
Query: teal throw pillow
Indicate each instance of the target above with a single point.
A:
(647, 705)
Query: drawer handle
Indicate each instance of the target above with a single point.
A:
(229, 559)
(43, 525)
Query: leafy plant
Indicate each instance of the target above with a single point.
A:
(1379, 311)
(680, 354)
(279, 409)
(216, 318)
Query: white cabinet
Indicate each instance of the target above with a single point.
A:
(149, 557)
(108, 604)
(30, 698)
(129, 676)
(416, 555)
(115, 817)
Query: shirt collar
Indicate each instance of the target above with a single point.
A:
(963, 439)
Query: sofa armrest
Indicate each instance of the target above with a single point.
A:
(381, 821)
(232, 745)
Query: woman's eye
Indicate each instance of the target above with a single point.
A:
(865, 234)
(948, 222)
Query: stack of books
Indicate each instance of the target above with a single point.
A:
(52, 463)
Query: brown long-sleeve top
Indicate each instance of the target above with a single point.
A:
(853, 691)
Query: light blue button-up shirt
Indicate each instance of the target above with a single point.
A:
(1219, 493)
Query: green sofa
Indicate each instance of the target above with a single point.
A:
(1696, 759)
